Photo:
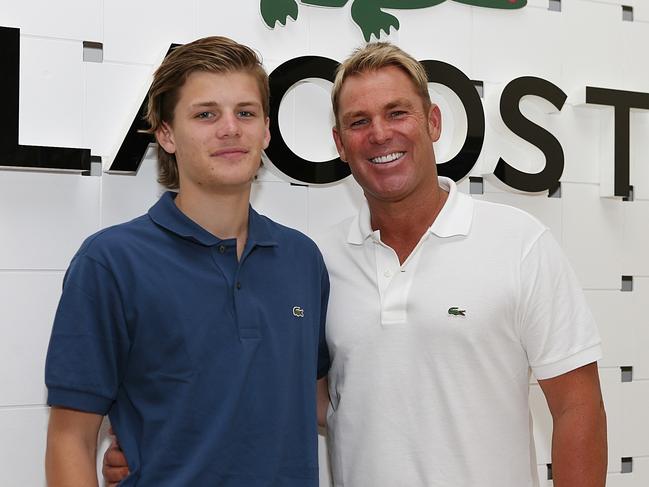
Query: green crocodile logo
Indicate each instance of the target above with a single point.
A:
(368, 14)
(455, 311)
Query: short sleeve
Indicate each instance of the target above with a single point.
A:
(89, 342)
(557, 328)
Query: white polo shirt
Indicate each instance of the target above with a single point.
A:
(431, 358)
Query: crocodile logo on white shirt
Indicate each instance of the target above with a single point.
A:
(455, 311)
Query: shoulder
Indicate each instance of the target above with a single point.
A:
(498, 212)
(504, 221)
(116, 238)
(290, 239)
(284, 234)
(334, 238)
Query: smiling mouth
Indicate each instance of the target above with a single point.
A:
(386, 158)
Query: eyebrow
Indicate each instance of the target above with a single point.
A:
(212, 104)
(401, 102)
(347, 116)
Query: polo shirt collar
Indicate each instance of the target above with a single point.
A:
(454, 219)
(457, 213)
(166, 214)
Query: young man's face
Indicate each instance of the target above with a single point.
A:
(218, 132)
(385, 134)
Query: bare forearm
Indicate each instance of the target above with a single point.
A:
(579, 449)
(70, 459)
(69, 464)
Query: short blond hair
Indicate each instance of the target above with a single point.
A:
(373, 57)
(210, 54)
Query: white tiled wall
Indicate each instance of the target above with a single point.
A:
(65, 19)
(67, 102)
(28, 301)
(45, 217)
(586, 54)
(114, 92)
(48, 67)
(126, 196)
(22, 446)
(517, 44)
(593, 235)
(432, 34)
(639, 148)
(283, 202)
(610, 379)
(136, 32)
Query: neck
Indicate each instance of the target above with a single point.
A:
(223, 215)
(403, 223)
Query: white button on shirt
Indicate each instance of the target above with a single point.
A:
(394, 283)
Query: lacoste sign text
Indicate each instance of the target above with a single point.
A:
(284, 77)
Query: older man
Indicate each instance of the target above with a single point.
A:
(440, 305)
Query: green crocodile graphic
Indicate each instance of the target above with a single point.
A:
(368, 14)
(454, 311)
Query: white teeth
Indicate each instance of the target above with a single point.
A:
(386, 158)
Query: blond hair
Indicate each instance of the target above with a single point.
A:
(373, 57)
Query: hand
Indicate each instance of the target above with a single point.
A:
(115, 467)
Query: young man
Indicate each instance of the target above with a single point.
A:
(440, 305)
(198, 328)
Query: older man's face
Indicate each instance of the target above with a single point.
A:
(386, 134)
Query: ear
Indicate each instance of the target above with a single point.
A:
(165, 137)
(267, 133)
(339, 144)
(434, 122)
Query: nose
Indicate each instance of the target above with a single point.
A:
(228, 126)
(380, 131)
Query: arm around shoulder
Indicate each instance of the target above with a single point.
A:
(70, 459)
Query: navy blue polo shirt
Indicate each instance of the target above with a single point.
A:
(205, 364)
